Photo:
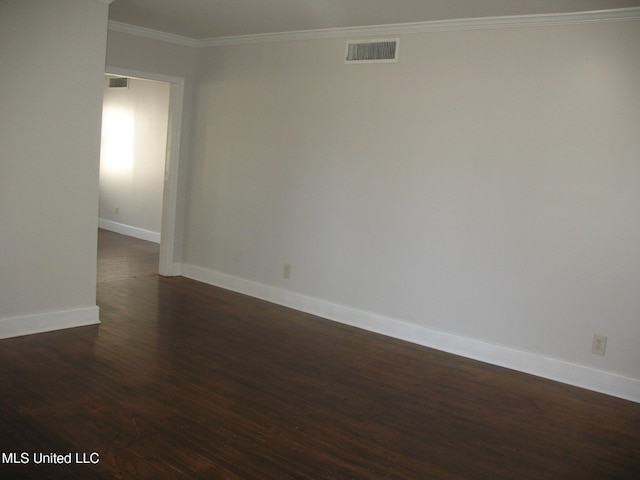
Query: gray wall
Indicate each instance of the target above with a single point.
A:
(485, 186)
(51, 77)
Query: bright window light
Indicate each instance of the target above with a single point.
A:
(116, 156)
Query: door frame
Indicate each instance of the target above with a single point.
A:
(167, 266)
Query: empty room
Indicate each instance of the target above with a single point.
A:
(396, 240)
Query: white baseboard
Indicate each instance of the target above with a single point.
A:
(135, 232)
(527, 362)
(173, 270)
(47, 322)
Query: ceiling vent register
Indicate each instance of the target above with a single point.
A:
(375, 51)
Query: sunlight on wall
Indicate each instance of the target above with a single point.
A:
(116, 156)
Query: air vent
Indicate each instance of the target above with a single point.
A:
(373, 51)
(118, 82)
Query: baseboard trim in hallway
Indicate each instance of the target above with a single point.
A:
(128, 230)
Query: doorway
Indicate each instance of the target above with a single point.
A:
(133, 155)
(122, 165)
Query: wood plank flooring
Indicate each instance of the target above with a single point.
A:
(184, 381)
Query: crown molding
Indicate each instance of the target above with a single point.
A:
(433, 26)
(514, 21)
(153, 34)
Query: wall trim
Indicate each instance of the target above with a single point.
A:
(47, 322)
(136, 232)
(551, 368)
(152, 34)
(513, 21)
(173, 270)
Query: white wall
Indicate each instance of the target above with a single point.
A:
(51, 78)
(485, 186)
(134, 143)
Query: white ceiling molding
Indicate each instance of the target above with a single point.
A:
(153, 34)
(515, 21)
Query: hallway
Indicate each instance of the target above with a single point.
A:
(120, 256)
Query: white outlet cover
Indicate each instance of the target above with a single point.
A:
(599, 344)
(286, 271)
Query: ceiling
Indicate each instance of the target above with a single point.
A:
(205, 19)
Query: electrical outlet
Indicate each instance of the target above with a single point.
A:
(286, 270)
(599, 344)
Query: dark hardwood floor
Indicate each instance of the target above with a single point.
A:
(183, 381)
(121, 257)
